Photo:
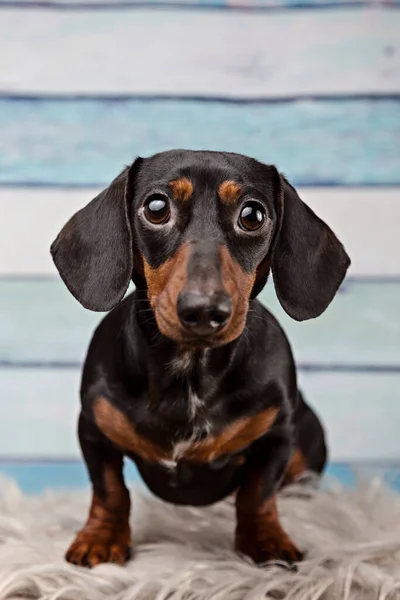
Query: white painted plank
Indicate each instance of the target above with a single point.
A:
(361, 414)
(366, 220)
(39, 413)
(167, 52)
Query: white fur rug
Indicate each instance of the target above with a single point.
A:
(352, 539)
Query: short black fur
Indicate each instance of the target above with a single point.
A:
(151, 378)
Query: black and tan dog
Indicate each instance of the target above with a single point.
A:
(190, 376)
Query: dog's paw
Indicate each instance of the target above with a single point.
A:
(270, 548)
(95, 546)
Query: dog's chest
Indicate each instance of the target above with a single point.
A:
(185, 419)
(199, 427)
(190, 373)
(198, 433)
(202, 444)
(200, 449)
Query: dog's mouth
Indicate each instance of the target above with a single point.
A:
(199, 302)
(208, 330)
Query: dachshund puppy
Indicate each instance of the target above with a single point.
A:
(190, 376)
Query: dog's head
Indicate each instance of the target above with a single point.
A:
(201, 231)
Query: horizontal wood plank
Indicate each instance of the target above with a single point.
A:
(97, 5)
(87, 142)
(360, 414)
(42, 323)
(366, 220)
(242, 55)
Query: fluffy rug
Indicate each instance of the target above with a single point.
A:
(352, 538)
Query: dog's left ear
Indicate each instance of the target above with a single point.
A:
(94, 251)
(308, 261)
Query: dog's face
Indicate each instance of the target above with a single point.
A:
(201, 227)
(201, 230)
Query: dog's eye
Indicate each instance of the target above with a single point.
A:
(156, 210)
(252, 216)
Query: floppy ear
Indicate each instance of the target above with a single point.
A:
(93, 252)
(308, 261)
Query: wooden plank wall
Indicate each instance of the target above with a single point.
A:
(311, 86)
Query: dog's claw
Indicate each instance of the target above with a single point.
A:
(99, 546)
(280, 550)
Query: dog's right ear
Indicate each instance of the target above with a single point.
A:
(309, 263)
(94, 251)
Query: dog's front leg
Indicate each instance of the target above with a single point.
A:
(106, 537)
(259, 533)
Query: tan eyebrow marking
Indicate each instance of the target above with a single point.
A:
(229, 192)
(182, 188)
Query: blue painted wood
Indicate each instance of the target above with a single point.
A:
(360, 328)
(228, 4)
(99, 137)
(232, 5)
(35, 476)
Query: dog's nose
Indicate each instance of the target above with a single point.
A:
(204, 314)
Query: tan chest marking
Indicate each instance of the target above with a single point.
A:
(235, 437)
(117, 428)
